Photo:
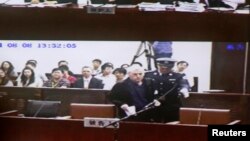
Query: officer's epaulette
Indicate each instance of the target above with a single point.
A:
(149, 71)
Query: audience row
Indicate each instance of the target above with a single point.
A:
(96, 77)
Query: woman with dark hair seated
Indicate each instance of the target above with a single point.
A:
(4, 80)
(8, 68)
(29, 79)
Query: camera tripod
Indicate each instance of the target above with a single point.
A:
(145, 47)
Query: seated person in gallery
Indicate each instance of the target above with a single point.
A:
(88, 81)
(57, 80)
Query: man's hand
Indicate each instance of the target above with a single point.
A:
(129, 110)
(184, 92)
(124, 107)
(157, 103)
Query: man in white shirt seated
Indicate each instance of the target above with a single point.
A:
(108, 79)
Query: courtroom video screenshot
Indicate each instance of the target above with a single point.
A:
(181, 86)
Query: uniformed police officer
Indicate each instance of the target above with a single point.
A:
(170, 87)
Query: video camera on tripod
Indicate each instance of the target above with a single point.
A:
(145, 47)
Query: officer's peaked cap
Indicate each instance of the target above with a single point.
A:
(168, 62)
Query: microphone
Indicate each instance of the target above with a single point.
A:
(39, 109)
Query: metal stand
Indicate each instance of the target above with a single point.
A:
(145, 48)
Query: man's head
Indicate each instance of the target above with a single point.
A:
(96, 63)
(107, 68)
(136, 73)
(65, 69)
(120, 73)
(56, 74)
(31, 65)
(182, 65)
(86, 71)
(63, 63)
(32, 60)
(165, 65)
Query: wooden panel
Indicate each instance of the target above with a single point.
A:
(237, 103)
(67, 96)
(22, 92)
(35, 129)
(79, 111)
(18, 96)
(3, 100)
(204, 116)
(126, 24)
(161, 132)
(38, 129)
(75, 24)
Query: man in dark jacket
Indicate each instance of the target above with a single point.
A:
(136, 92)
(87, 81)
